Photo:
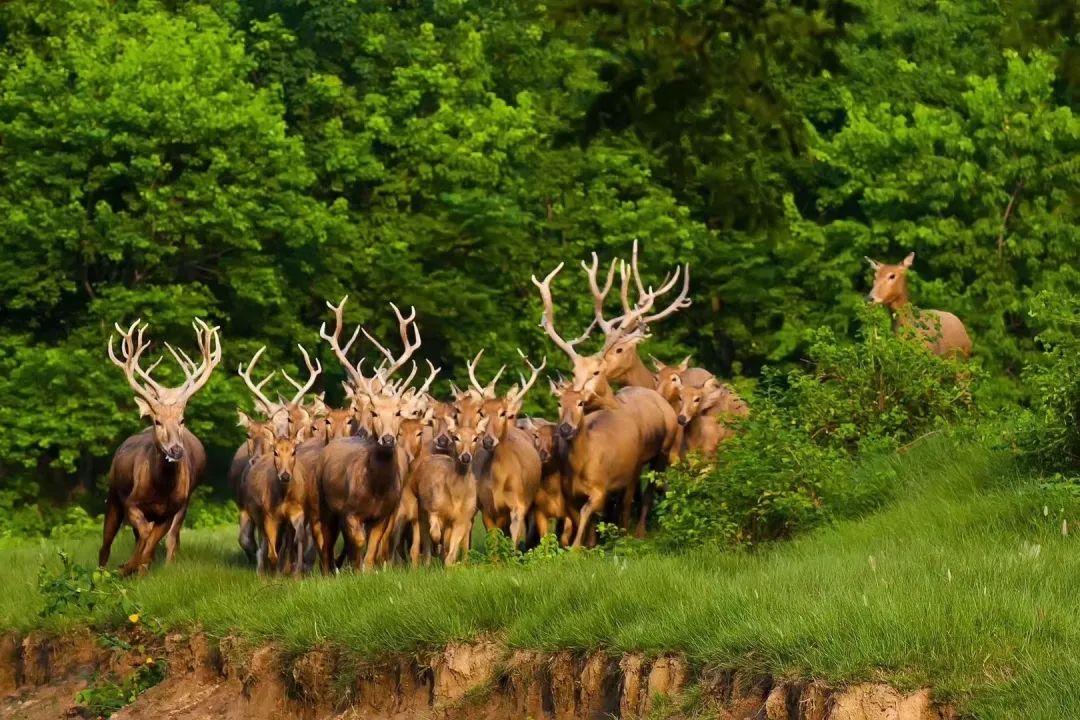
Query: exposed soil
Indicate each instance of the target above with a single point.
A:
(220, 680)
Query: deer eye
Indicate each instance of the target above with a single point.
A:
(892, 276)
(502, 413)
(595, 373)
(181, 421)
(581, 404)
(618, 350)
(157, 423)
(457, 438)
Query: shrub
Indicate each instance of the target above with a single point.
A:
(1049, 433)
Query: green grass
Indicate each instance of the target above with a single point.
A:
(965, 584)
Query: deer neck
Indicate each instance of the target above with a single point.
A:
(382, 465)
(639, 375)
(603, 398)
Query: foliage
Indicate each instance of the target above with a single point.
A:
(108, 694)
(1050, 432)
(208, 512)
(76, 589)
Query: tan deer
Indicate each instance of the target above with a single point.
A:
(549, 505)
(943, 333)
(154, 472)
(260, 436)
(360, 478)
(273, 497)
(602, 455)
(507, 467)
(447, 493)
(706, 412)
(288, 418)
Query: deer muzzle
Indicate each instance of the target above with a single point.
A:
(544, 456)
(682, 420)
(174, 453)
(387, 441)
(566, 430)
(442, 442)
(465, 458)
(285, 476)
(488, 443)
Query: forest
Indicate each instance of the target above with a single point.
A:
(245, 162)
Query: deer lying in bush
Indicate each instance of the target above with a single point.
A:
(273, 494)
(942, 332)
(154, 472)
(447, 493)
(360, 479)
(507, 467)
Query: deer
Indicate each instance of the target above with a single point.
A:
(260, 434)
(273, 497)
(942, 332)
(287, 418)
(154, 472)
(447, 493)
(507, 467)
(658, 430)
(601, 458)
(704, 412)
(550, 503)
(361, 478)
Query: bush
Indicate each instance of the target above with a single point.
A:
(882, 390)
(791, 465)
(1050, 433)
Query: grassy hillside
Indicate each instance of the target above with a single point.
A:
(966, 584)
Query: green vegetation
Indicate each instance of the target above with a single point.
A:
(965, 582)
(248, 161)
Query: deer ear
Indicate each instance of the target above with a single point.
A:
(657, 363)
(873, 263)
(144, 407)
(242, 419)
(685, 364)
(908, 260)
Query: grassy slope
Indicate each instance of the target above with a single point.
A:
(964, 585)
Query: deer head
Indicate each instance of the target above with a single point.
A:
(669, 378)
(284, 457)
(467, 438)
(502, 412)
(543, 437)
(290, 416)
(257, 431)
(572, 403)
(622, 333)
(165, 406)
(890, 282)
(337, 423)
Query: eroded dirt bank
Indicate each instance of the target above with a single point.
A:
(39, 676)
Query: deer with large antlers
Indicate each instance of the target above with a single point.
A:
(361, 478)
(659, 434)
(154, 472)
(507, 467)
(942, 332)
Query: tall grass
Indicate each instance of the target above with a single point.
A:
(965, 583)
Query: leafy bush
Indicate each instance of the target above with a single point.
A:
(1050, 433)
(78, 590)
(108, 694)
(207, 512)
(882, 390)
(790, 467)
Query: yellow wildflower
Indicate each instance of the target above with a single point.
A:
(134, 618)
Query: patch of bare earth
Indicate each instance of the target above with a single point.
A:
(483, 680)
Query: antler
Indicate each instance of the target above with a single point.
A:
(547, 320)
(268, 406)
(487, 392)
(342, 353)
(433, 372)
(409, 347)
(313, 374)
(132, 349)
(519, 395)
(210, 348)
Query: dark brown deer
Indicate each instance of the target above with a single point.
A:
(260, 436)
(360, 479)
(507, 467)
(154, 472)
(942, 332)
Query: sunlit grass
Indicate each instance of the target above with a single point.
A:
(964, 583)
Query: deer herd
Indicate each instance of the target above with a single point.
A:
(400, 475)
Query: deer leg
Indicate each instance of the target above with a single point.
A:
(329, 533)
(570, 522)
(414, 551)
(315, 528)
(142, 528)
(149, 545)
(270, 532)
(374, 539)
(627, 506)
(457, 539)
(541, 524)
(114, 517)
(355, 536)
(596, 500)
(285, 545)
(246, 537)
(391, 538)
(299, 531)
(647, 498)
(517, 526)
(172, 539)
